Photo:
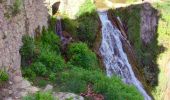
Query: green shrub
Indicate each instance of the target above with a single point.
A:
(77, 79)
(52, 76)
(40, 96)
(28, 73)
(51, 38)
(27, 50)
(88, 27)
(51, 60)
(52, 23)
(70, 26)
(80, 55)
(39, 68)
(3, 76)
(88, 22)
(16, 7)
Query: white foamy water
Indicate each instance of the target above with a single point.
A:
(114, 58)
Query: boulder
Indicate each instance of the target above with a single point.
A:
(48, 88)
(65, 96)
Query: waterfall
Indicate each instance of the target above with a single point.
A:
(114, 58)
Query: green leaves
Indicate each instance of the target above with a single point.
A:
(80, 55)
(77, 79)
(3, 76)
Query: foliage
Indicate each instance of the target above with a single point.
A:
(28, 73)
(52, 76)
(40, 96)
(16, 7)
(79, 54)
(77, 79)
(88, 27)
(3, 76)
(39, 68)
(49, 38)
(70, 26)
(85, 27)
(27, 50)
(52, 23)
(51, 59)
(42, 55)
(41, 82)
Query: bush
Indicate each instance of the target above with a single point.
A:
(88, 27)
(70, 26)
(51, 60)
(28, 73)
(52, 76)
(49, 37)
(40, 96)
(39, 68)
(77, 79)
(27, 50)
(3, 76)
(80, 55)
(88, 23)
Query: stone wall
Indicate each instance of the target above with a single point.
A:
(33, 14)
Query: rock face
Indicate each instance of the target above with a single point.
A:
(32, 16)
(28, 18)
(15, 91)
(149, 23)
(70, 7)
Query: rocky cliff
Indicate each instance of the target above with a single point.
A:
(16, 19)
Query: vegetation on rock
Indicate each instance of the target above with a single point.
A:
(3, 76)
(40, 96)
(16, 8)
(85, 27)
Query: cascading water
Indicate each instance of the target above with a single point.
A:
(115, 59)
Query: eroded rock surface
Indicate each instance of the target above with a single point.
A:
(30, 16)
(149, 22)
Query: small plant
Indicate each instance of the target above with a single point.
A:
(52, 76)
(16, 7)
(39, 68)
(40, 96)
(3, 76)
